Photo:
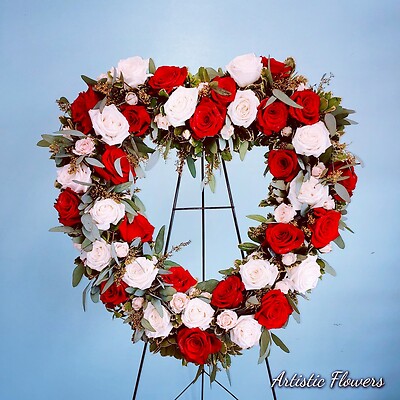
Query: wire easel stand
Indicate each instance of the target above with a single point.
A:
(203, 209)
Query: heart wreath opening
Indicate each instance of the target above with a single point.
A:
(136, 112)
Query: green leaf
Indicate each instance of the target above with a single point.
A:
(325, 157)
(342, 192)
(330, 122)
(270, 101)
(152, 66)
(108, 284)
(130, 206)
(64, 229)
(247, 246)
(292, 303)
(329, 269)
(279, 343)
(339, 242)
(159, 244)
(212, 183)
(77, 274)
(243, 149)
(285, 99)
(42, 143)
(191, 166)
(146, 325)
(226, 154)
(257, 217)
(118, 168)
(122, 187)
(213, 148)
(139, 203)
(265, 342)
(200, 370)
(207, 286)
(95, 162)
(88, 81)
(212, 73)
(84, 294)
(157, 305)
(169, 263)
(223, 92)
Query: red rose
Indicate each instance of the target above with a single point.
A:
(226, 83)
(278, 69)
(168, 78)
(140, 227)
(228, 293)
(110, 155)
(274, 311)
(207, 120)
(138, 118)
(114, 295)
(326, 227)
(80, 109)
(283, 238)
(345, 170)
(310, 101)
(180, 279)
(196, 345)
(272, 118)
(283, 164)
(67, 207)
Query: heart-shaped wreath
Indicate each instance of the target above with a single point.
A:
(99, 154)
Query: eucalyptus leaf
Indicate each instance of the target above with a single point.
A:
(83, 183)
(169, 263)
(152, 160)
(159, 244)
(285, 98)
(77, 274)
(139, 203)
(108, 283)
(122, 187)
(339, 242)
(330, 122)
(94, 162)
(243, 149)
(207, 286)
(265, 342)
(146, 325)
(257, 217)
(152, 66)
(279, 343)
(342, 192)
(118, 168)
(84, 294)
(212, 183)
(64, 229)
(157, 305)
(270, 101)
(292, 304)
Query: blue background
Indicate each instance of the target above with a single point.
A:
(50, 348)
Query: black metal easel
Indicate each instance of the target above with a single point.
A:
(203, 208)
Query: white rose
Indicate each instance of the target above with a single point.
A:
(110, 124)
(134, 70)
(121, 248)
(247, 332)
(305, 275)
(311, 140)
(227, 319)
(162, 325)
(317, 170)
(137, 303)
(286, 131)
(243, 110)
(284, 213)
(131, 98)
(105, 212)
(140, 273)
(326, 249)
(161, 121)
(84, 147)
(180, 105)
(284, 285)
(289, 258)
(100, 255)
(197, 314)
(178, 302)
(256, 274)
(227, 131)
(81, 174)
(311, 192)
(245, 69)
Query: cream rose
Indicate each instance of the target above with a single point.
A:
(311, 140)
(131, 98)
(100, 255)
(80, 173)
(161, 121)
(317, 170)
(305, 275)
(289, 259)
(110, 124)
(121, 249)
(257, 274)
(286, 131)
(245, 69)
(227, 131)
(284, 285)
(137, 303)
(197, 314)
(106, 212)
(243, 110)
(134, 70)
(227, 319)
(140, 273)
(247, 332)
(178, 302)
(284, 213)
(84, 147)
(313, 193)
(161, 324)
(181, 105)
